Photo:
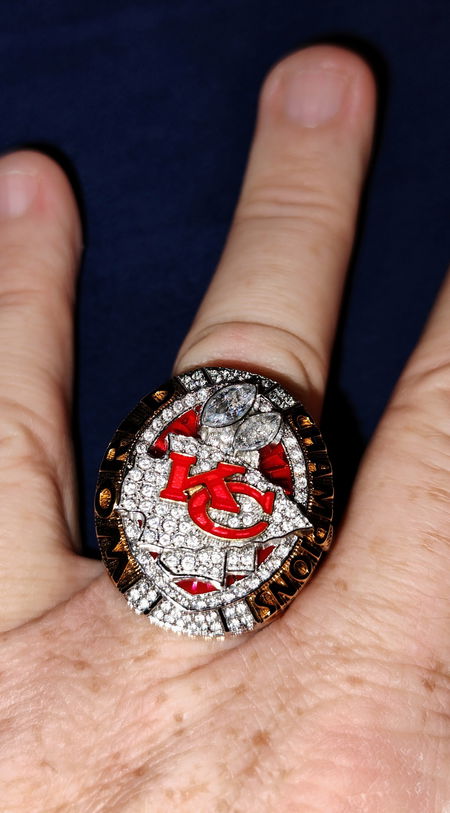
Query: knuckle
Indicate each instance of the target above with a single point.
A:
(28, 273)
(423, 394)
(422, 432)
(27, 293)
(18, 441)
(418, 425)
(296, 205)
(22, 299)
(434, 380)
(27, 438)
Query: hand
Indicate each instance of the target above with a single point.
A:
(342, 704)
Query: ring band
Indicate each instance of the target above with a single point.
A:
(214, 502)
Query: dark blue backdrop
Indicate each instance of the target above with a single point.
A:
(150, 105)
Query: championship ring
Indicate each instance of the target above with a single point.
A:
(214, 502)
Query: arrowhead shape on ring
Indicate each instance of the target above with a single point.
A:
(257, 431)
(228, 405)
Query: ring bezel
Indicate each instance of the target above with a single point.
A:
(271, 597)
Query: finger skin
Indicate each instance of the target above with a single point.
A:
(39, 253)
(319, 712)
(396, 558)
(274, 299)
(273, 302)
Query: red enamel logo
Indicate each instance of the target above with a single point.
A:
(214, 489)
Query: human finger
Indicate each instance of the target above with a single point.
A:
(273, 302)
(40, 244)
(400, 510)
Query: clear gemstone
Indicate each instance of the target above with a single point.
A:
(149, 536)
(228, 405)
(257, 431)
(241, 558)
(281, 398)
(129, 504)
(188, 564)
(144, 462)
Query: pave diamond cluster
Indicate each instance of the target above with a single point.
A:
(214, 493)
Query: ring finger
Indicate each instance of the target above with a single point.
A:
(273, 303)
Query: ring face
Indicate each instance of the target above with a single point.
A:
(214, 502)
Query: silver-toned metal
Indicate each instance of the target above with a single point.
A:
(214, 502)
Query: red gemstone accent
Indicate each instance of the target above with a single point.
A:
(186, 424)
(274, 465)
(232, 579)
(263, 553)
(154, 553)
(195, 586)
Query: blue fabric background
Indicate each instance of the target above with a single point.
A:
(150, 107)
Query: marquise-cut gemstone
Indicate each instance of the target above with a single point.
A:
(228, 405)
(186, 424)
(195, 586)
(257, 431)
(274, 465)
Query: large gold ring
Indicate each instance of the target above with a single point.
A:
(214, 502)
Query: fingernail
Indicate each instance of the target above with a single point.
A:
(17, 193)
(313, 97)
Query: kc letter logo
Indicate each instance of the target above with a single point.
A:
(214, 489)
